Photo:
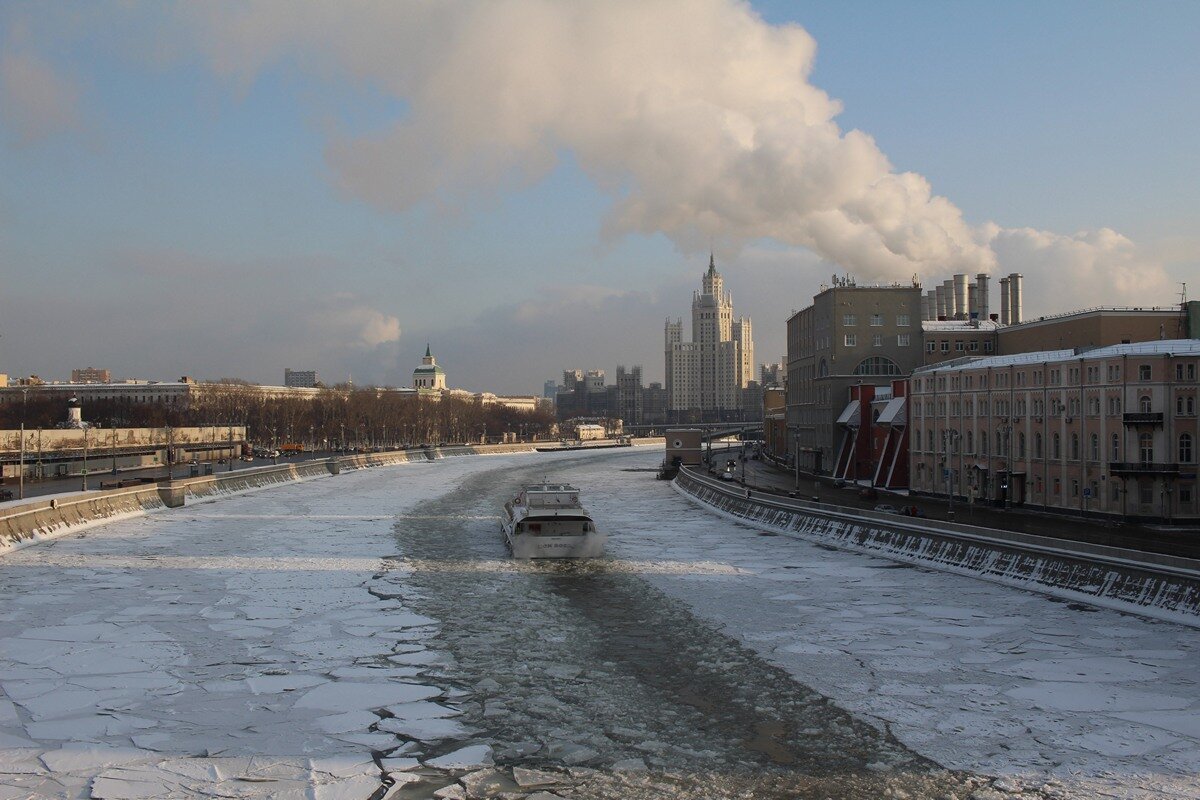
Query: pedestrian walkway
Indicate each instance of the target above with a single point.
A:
(761, 475)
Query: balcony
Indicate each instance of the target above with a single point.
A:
(1143, 468)
(1143, 418)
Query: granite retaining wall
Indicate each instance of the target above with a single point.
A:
(1149, 584)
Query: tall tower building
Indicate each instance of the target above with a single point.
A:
(705, 376)
(429, 377)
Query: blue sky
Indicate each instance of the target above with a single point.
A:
(188, 191)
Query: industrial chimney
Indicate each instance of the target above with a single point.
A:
(1005, 298)
(961, 309)
(939, 301)
(981, 292)
(1015, 312)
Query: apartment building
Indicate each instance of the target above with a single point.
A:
(1109, 431)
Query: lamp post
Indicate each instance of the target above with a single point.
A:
(949, 436)
(230, 448)
(85, 448)
(21, 468)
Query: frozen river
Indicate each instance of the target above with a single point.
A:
(367, 635)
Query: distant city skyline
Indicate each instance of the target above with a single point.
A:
(223, 191)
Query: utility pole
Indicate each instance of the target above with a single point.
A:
(85, 448)
(21, 470)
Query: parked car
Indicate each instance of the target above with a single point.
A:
(884, 508)
(727, 475)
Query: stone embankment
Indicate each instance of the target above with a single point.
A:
(28, 523)
(1149, 584)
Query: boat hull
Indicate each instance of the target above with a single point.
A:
(531, 545)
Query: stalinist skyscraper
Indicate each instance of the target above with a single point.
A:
(705, 376)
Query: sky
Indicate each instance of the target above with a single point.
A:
(229, 189)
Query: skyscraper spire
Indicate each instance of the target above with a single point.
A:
(427, 353)
(712, 263)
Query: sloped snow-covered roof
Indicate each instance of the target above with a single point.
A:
(849, 414)
(893, 412)
(1177, 347)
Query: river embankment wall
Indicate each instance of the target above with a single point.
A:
(37, 520)
(1148, 584)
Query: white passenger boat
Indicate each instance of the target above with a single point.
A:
(546, 520)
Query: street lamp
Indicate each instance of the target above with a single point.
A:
(949, 436)
(21, 470)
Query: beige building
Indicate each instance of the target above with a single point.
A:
(706, 376)
(849, 335)
(91, 375)
(429, 377)
(1110, 431)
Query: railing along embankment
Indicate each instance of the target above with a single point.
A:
(1150, 584)
(37, 520)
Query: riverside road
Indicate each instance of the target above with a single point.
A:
(368, 636)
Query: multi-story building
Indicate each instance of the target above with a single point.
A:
(1111, 430)
(91, 375)
(300, 378)
(654, 404)
(630, 391)
(850, 335)
(705, 376)
(429, 377)
(771, 374)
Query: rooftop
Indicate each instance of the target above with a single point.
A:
(1178, 347)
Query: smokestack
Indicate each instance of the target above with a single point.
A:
(939, 299)
(973, 301)
(924, 306)
(1005, 298)
(948, 288)
(931, 296)
(1014, 304)
(981, 283)
(961, 309)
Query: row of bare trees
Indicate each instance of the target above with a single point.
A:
(365, 417)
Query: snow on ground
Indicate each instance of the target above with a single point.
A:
(974, 675)
(273, 645)
(232, 647)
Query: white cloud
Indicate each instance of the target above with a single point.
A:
(35, 101)
(696, 115)
(350, 321)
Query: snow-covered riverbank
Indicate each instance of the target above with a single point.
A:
(327, 638)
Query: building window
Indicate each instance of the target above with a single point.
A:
(1074, 488)
(930, 347)
(983, 443)
(1185, 448)
(877, 365)
(1144, 404)
(1185, 494)
(1056, 452)
(1074, 446)
(1057, 487)
(1144, 372)
(876, 320)
(849, 320)
(1095, 449)
(1146, 447)
(902, 320)
(877, 340)
(1037, 445)
(958, 346)
(1116, 447)
(1185, 405)
(851, 340)
(1146, 492)
(1021, 445)
(902, 340)
(970, 442)
(972, 346)
(945, 345)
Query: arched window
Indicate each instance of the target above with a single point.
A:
(1074, 446)
(1116, 447)
(1056, 452)
(1095, 449)
(877, 365)
(1185, 448)
(970, 441)
(1146, 448)
(1037, 445)
(822, 369)
(983, 443)
(929, 449)
(1020, 445)
(1144, 404)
